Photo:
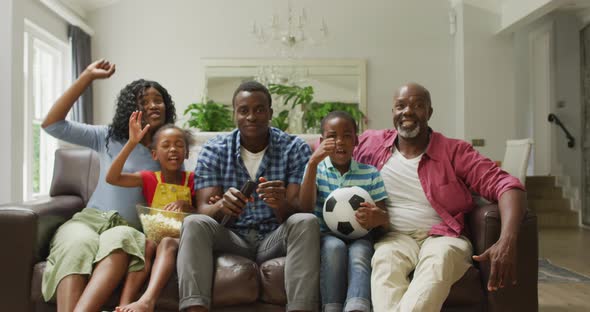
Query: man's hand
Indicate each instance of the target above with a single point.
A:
(136, 133)
(100, 69)
(213, 199)
(232, 202)
(272, 192)
(370, 216)
(179, 205)
(327, 147)
(502, 258)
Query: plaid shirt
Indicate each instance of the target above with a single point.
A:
(220, 164)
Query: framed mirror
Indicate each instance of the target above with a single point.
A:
(335, 84)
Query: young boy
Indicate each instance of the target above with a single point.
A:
(342, 258)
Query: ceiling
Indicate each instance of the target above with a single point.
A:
(575, 5)
(83, 7)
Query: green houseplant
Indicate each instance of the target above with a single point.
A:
(313, 112)
(316, 111)
(281, 121)
(209, 116)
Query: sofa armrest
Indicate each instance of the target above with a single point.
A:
(26, 228)
(484, 225)
(18, 231)
(50, 212)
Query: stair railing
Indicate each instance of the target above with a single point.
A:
(570, 139)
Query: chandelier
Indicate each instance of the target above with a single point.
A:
(290, 38)
(282, 74)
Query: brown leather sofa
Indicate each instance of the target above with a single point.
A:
(240, 284)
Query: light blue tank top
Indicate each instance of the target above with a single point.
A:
(106, 196)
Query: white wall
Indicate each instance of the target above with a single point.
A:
(402, 40)
(12, 15)
(7, 12)
(568, 93)
(567, 88)
(488, 82)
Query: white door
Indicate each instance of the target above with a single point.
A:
(541, 94)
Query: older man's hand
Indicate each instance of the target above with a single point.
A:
(502, 258)
(370, 216)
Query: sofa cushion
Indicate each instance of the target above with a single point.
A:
(467, 290)
(236, 282)
(272, 278)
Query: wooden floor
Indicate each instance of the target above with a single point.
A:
(569, 248)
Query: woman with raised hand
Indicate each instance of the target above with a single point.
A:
(92, 252)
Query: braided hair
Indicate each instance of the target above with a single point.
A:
(128, 101)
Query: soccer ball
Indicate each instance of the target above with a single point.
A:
(339, 209)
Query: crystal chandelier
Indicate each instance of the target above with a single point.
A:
(292, 37)
(282, 74)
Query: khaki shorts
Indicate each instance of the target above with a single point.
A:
(86, 239)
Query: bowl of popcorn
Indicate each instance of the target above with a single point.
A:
(158, 223)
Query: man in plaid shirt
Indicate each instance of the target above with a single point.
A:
(266, 225)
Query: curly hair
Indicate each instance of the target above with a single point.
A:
(128, 101)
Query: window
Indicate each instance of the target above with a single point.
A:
(46, 72)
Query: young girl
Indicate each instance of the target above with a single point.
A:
(343, 262)
(91, 253)
(169, 189)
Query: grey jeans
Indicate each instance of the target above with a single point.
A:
(298, 238)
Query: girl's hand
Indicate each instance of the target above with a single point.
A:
(179, 205)
(100, 69)
(135, 131)
(327, 147)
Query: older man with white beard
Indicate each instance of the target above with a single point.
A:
(429, 178)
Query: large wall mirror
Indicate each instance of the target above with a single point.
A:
(336, 84)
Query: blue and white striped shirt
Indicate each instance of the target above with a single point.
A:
(220, 164)
(328, 178)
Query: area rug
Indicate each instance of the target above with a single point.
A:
(551, 273)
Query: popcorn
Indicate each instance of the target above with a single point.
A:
(157, 226)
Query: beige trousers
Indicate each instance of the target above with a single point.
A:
(437, 261)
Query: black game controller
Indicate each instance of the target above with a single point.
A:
(247, 189)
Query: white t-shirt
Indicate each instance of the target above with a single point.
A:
(407, 205)
(252, 161)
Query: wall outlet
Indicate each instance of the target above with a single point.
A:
(478, 142)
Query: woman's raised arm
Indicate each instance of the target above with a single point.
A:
(98, 70)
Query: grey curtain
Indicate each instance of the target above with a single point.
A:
(82, 110)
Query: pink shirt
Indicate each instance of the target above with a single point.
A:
(448, 171)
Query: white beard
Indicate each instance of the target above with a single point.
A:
(408, 134)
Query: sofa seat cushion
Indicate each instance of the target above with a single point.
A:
(236, 282)
(272, 278)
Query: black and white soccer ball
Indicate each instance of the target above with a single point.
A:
(339, 209)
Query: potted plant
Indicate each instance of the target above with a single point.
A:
(313, 112)
(316, 111)
(281, 121)
(209, 116)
